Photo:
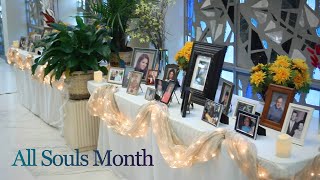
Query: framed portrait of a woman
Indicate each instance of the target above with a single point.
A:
(143, 60)
(171, 72)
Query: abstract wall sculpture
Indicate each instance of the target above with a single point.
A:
(256, 31)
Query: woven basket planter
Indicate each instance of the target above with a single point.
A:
(77, 85)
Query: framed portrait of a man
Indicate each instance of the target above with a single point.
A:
(297, 122)
(143, 60)
(277, 101)
(226, 95)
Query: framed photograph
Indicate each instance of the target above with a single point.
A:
(226, 95)
(200, 72)
(134, 82)
(126, 76)
(247, 124)
(171, 72)
(166, 97)
(277, 101)
(212, 112)
(151, 77)
(160, 86)
(115, 75)
(23, 44)
(297, 122)
(150, 94)
(143, 59)
(244, 106)
(204, 71)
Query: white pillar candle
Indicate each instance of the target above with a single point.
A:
(283, 146)
(97, 76)
(15, 44)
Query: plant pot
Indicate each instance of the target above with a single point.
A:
(77, 85)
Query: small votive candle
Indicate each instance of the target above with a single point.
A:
(283, 146)
(15, 44)
(97, 76)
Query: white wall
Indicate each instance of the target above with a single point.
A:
(67, 10)
(14, 21)
(175, 28)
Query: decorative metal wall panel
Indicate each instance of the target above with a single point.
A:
(257, 31)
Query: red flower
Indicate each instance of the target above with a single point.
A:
(48, 18)
(314, 58)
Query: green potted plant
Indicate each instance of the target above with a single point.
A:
(75, 51)
(115, 14)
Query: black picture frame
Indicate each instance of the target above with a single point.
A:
(171, 84)
(226, 83)
(185, 102)
(168, 68)
(255, 118)
(216, 53)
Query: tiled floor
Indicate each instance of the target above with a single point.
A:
(20, 129)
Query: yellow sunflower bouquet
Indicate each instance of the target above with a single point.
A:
(183, 56)
(293, 73)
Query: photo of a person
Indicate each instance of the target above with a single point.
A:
(298, 132)
(116, 75)
(143, 60)
(244, 106)
(134, 82)
(126, 76)
(296, 124)
(297, 121)
(171, 75)
(160, 86)
(142, 64)
(150, 94)
(246, 126)
(212, 112)
(151, 78)
(168, 93)
(226, 96)
(247, 123)
(276, 109)
(200, 72)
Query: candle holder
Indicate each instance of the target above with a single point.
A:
(283, 146)
(97, 76)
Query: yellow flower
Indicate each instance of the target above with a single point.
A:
(257, 67)
(257, 78)
(282, 61)
(281, 74)
(298, 81)
(300, 64)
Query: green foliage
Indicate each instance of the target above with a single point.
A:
(116, 15)
(69, 49)
(150, 26)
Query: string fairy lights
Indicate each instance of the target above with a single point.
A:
(16, 59)
(178, 155)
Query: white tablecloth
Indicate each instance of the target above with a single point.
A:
(41, 99)
(189, 129)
